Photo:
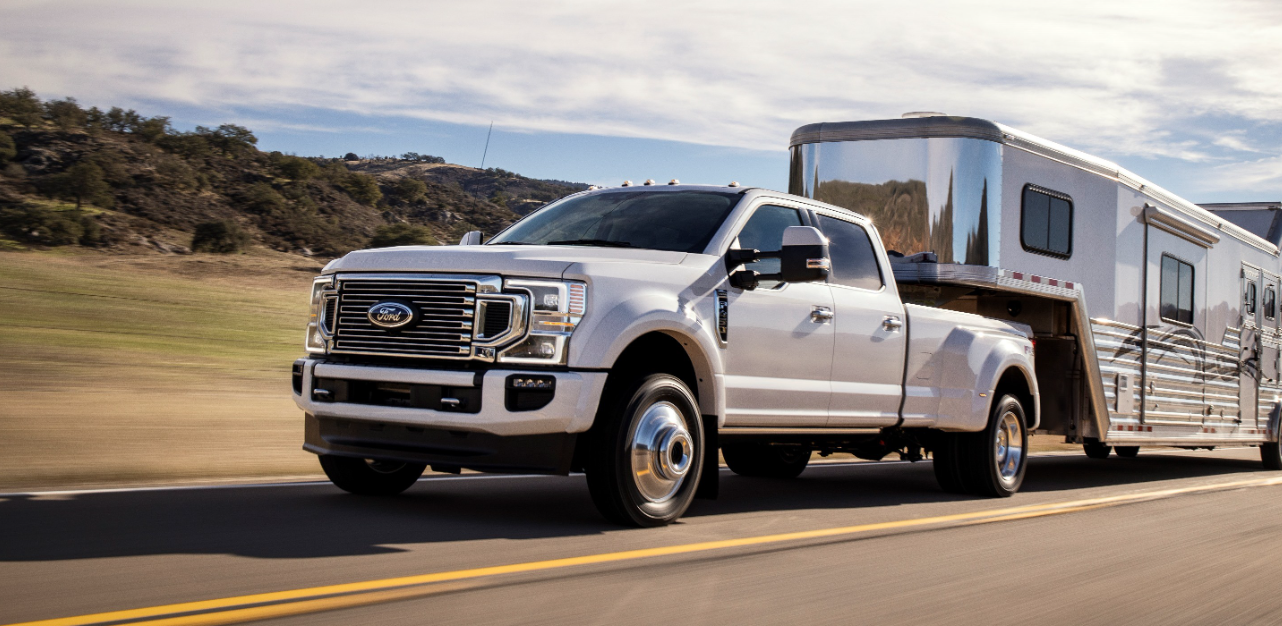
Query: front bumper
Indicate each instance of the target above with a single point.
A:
(571, 409)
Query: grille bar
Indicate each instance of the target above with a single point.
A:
(442, 328)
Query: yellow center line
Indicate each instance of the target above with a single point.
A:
(241, 608)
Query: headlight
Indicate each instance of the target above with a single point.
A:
(555, 309)
(323, 312)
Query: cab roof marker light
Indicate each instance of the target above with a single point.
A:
(627, 183)
(674, 182)
(648, 182)
(734, 183)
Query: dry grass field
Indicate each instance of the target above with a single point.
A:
(149, 369)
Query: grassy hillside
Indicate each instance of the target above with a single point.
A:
(149, 368)
(122, 182)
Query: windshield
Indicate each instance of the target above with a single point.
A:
(678, 221)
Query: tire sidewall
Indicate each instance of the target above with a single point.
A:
(650, 390)
(1006, 403)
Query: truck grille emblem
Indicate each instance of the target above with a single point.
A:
(390, 314)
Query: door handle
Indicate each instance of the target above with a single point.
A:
(821, 314)
(892, 323)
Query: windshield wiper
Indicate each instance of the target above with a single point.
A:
(591, 242)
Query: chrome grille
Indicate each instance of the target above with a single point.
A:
(445, 314)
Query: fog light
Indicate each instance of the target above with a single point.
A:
(524, 392)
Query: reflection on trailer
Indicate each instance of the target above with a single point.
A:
(1156, 320)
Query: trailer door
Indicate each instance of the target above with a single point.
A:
(1175, 386)
(1250, 346)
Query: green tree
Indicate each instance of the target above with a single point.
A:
(7, 148)
(220, 237)
(120, 120)
(401, 235)
(363, 188)
(297, 168)
(84, 182)
(66, 114)
(410, 189)
(22, 106)
(151, 129)
(230, 139)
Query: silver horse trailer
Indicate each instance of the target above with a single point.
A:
(1155, 320)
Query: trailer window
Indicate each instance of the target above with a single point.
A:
(854, 260)
(1270, 303)
(1248, 300)
(1177, 290)
(1047, 222)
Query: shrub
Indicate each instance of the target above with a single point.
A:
(351, 156)
(402, 235)
(297, 168)
(7, 148)
(410, 189)
(49, 228)
(221, 237)
(362, 188)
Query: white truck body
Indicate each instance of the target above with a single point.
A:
(819, 364)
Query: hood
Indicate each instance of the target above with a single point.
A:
(542, 261)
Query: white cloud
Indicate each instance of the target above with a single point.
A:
(1132, 78)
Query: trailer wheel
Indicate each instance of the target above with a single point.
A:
(766, 461)
(1127, 452)
(993, 460)
(646, 452)
(1096, 449)
(1271, 454)
(369, 477)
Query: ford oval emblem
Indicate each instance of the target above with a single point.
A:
(390, 314)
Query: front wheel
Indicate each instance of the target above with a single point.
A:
(369, 477)
(646, 452)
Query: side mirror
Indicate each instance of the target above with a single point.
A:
(804, 257)
(472, 238)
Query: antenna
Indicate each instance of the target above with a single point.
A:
(487, 144)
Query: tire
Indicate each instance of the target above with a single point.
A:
(1127, 452)
(646, 452)
(368, 477)
(947, 463)
(993, 461)
(1271, 455)
(1097, 450)
(766, 461)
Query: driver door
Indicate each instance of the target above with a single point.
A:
(779, 338)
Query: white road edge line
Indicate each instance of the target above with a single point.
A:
(322, 483)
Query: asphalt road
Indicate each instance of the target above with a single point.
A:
(1157, 539)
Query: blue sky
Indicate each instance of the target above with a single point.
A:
(1183, 93)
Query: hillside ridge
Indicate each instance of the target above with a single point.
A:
(120, 182)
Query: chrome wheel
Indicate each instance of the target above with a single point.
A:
(661, 450)
(1009, 447)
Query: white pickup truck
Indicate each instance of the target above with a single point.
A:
(630, 333)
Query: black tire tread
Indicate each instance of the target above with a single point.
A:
(354, 475)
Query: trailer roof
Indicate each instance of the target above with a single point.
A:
(976, 128)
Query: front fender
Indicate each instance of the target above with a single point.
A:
(599, 344)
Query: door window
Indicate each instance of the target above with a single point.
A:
(854, 259)
(1270, 303)
(764, 232)
(1177, 291)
